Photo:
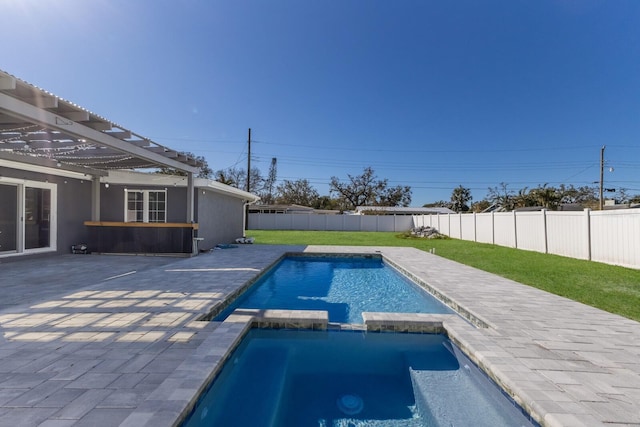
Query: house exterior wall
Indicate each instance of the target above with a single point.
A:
(220, 218)
(112, 201)
(73, 205)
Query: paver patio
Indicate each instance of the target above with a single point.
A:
(106, 340)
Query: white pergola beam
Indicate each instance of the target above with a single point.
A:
(43, 101)
(33, 114)
(140, 143)
(7, 82)
(125, 134)
(76, 116)
(12, 121)
(102, 126)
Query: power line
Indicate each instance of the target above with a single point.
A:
(434, 167)
(361, 148)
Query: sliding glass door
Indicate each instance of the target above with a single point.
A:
(27, 212)
(8, 218)
(37, 218)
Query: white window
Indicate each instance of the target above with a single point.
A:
(145, 206)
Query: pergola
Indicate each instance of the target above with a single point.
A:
(39, 128)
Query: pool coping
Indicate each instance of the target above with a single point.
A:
(218, 347)
(459, 309)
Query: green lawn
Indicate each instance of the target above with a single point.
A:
(610, 288)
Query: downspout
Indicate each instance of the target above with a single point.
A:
(95, 198)
(245, 217)
(190, 198)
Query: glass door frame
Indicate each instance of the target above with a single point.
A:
(22, 185)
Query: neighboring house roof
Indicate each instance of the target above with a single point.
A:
(290, 209)
(280, 208)
(529, 209)
(622, 206)
(326, 211)
(494, 208)
(571, 207)
(164, 180)
(40, 128)
(397, 210)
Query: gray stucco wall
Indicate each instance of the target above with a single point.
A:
(219, 218)
(112, 202)
(74, 205)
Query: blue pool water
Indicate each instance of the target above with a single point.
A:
(345, 287)
(314, 378)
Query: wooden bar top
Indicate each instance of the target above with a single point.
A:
(141, 224)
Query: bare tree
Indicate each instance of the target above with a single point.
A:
(237, 177)
(298, 192)
(367, 190)
(225, 178)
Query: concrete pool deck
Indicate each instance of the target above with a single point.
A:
(110, 340)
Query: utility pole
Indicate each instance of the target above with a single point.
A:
(249, 163)
(602, 177)
(246, 205)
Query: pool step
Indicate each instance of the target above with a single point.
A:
(456, 396)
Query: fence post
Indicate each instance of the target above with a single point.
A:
(475, 228)
(460, 222)
(544, 231)
(493, 228)
(587, 213)
(515, 230)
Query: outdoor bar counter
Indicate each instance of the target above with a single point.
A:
(142, 238)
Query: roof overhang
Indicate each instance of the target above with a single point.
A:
(221, 188)
(34, 124)
(131, 178)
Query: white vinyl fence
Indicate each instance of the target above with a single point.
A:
(399, 223)
(612, 237)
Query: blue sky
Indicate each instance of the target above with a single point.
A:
(431, 94)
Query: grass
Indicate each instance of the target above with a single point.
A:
(607, 287)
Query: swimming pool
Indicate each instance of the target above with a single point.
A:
(343, 286)
(300, 378)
